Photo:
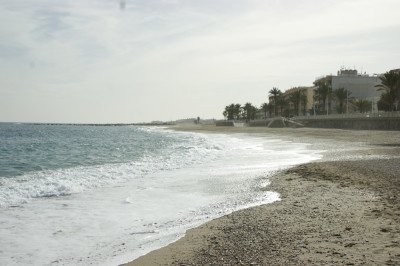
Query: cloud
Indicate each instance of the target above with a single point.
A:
(183, 57)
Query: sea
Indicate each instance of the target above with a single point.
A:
(105, 195)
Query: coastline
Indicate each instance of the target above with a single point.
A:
(333, 211)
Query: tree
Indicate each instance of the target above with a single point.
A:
(281, 102)
(295, 98)
(275, 92)
(249, 111)
(324, 91)
(341, 95)
(390, 84)
(304, 101)
(265, 108)
(229, 112)
(270, 109)
(232, 111)
(363, 105)
(237, 111)
(384, 103)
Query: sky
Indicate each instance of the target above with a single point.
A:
(123, 61)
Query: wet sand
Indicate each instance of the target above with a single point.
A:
(343, 209)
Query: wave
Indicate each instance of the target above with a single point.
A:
(192, 148)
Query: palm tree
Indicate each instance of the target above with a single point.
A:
(363, 105)
(232, 111)
(324, 91)
(295, 98)
(264, 107)
(341, 95)
(225, 113)
(304, 101)
(384, 103)
(274, 93)
(237, 111)
(249, 111)
(229, 112)
(281, 102)
(390, 84)
(270, 109)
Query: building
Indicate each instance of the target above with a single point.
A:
(360, 86)
(285, 103)
(305, 104)
(309, 92)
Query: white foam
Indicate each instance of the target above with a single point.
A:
(125, 212)
(62, 182)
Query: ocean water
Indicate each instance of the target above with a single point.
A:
(104, 195)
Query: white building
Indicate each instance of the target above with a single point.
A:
(361, 86)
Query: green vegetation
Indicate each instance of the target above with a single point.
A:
(294, 102)
(363, 106)
(304, 100)
(266, 108)
(341, 95)
(283, 105)
(237, 112)
(249, 112)
(296, 98)
(324, 92)
(233, 111)
(391, 91)
(274, 93)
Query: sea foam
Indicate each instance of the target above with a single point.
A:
(111, 213)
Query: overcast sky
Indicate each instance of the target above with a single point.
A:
(143, 60)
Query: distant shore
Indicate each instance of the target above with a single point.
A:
(344, 209)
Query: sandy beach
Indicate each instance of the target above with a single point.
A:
(343, 209)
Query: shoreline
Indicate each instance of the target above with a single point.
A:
(332, 211)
